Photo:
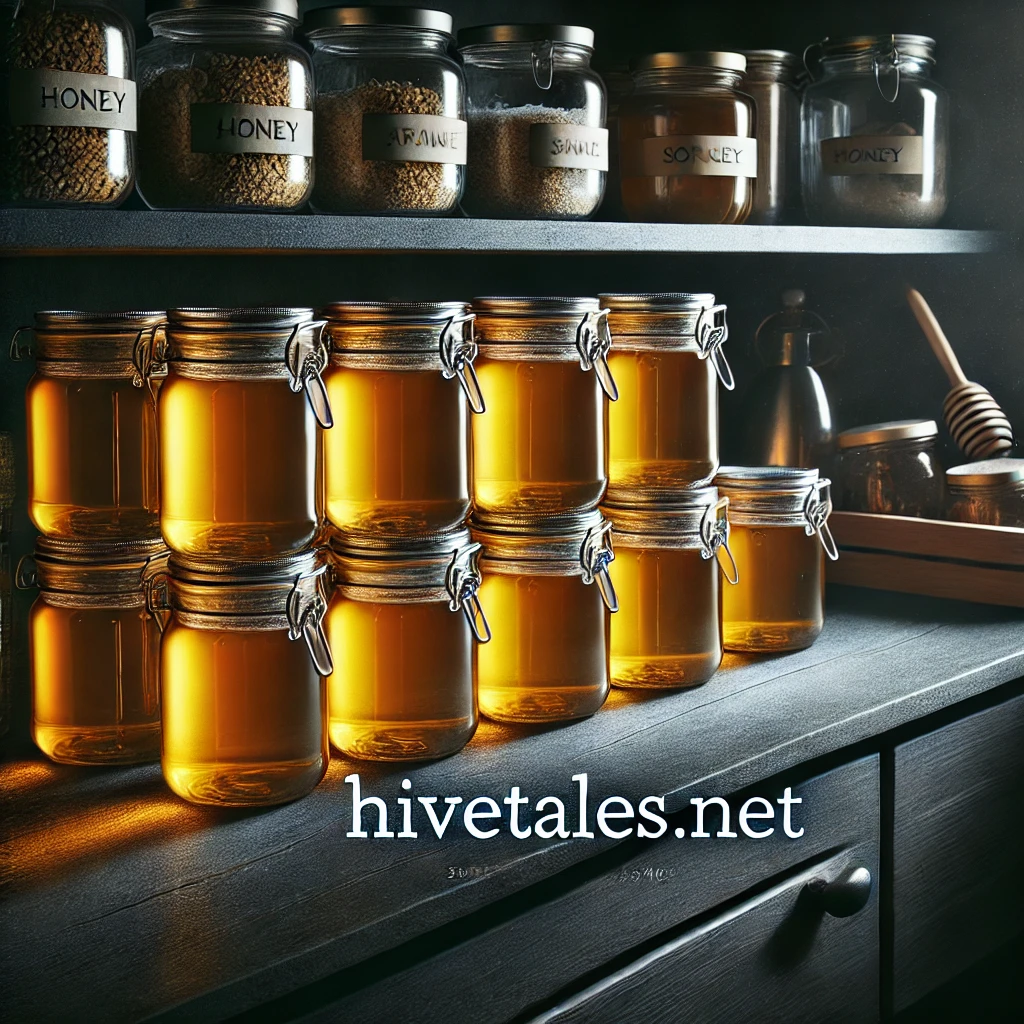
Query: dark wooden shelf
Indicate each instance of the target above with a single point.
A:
(120, 899)
(67, 232)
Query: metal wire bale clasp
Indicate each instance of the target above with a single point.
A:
(887, 62)
(714, 538)
(462, 581)
(155, 585)
(711, 334)
(542, 62)
(306, 357)
(19, 351)
(149, 356)
(817, 509)
(306, 611)
(596, 554)
(458, 349)
(594, 341)
(25, 576)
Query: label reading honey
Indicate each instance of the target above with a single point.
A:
(71, 99)
(248, 128)
(721, 155)
(419, 138)
(873, 154)
(569, 145)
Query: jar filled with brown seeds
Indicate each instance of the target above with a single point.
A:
(69, 133)
(225, 98)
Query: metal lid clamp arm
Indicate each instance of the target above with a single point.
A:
(817, 509)
(149, 356)
(306, 613)
(711, 334)
(462, 581)
(596, 554)
(306, 357)
(594, 341)
(457, 352)
(714, 538)
(18, 351)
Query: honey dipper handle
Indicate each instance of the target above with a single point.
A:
(936, 337)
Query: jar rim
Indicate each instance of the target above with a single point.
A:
(986, 473)
(288, 9)
(273, 318)
(396, 312)
(772, 65)
(530, 306)
(655, 302)
(919, 47)
(722, 60)
(211, 572)
(68, 319)
(341, 17)
(889, 430)
(527, 32)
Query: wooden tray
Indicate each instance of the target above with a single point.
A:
(927, 556)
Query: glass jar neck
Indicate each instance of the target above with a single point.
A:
(219, 23)
(687, 79)
(398, 39)
(865, 63)
(563, 56)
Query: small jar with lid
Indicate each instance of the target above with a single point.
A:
(539, 449)
(668, 630)
(667, 361)
(771, 80)
(238, 442)
(92, 424)
(538, 146)
(243, 663)
(403, 620)
(874, 134)
(94, 648)
(687, 148)
(989, 493)
(401, 379)
(548, 658)
(778, 529)
(68, 137)
(892, 469)
(390, 111)
(225, 107)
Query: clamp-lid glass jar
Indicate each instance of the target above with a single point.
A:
(400, 377)
(538, 146)
(390, 111)
(94, 649)
(547, 660)
(778, 528)
(668, 630)
(989, 493)
(666, 359)
(225, 107)
(686, 140)
(244, 706)
(892, 469)
(69, 96)
(875, 134)
(91, 422)
(238, 441)
(402, 620)
(540, 446)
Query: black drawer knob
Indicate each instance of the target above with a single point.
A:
(844, 895)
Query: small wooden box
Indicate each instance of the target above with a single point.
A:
(928, 556)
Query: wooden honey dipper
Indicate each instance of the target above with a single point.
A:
(979, 427)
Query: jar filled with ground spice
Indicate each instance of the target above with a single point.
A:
(875, 134)
(538, 146)
(225, 107)
(68, 136)
(390, 111)
(686, 140)
(989, 493)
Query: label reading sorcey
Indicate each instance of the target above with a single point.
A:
(419, 138)
(71, 99)
(248, 128)
(569, 145)
(722, 155)
(873, 154)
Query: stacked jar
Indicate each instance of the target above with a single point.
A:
(404, 618)
(670, 524)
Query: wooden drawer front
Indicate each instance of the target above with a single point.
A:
(777, 957)
(957, 855)
(524, 962)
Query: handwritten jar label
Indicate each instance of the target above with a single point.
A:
(728, 156)
(416, 138)
(873, 154)
(569, 145)
(71, 99)
(248, 128)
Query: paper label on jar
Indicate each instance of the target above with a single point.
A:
(417, 138)
(71, 99)
(249, 128)
(873, 154)
(730, 156)
(569, 145)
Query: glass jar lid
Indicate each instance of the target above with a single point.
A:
(905, 44)
(720, 59)
(282, 8)
(771, 66)
(92, 567)
(576, 35)
(988, 473)
(370, 17)
(888, 432)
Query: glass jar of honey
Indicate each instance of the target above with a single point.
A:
(238, 445)
(539, 449)
(91, 423)
(668, 630)
(547, 660)
(94, 650)
(400, 377)
(666, 359)
(402, 620)
(244, 704)
(686, 140)
(989, 493)
(778, 521)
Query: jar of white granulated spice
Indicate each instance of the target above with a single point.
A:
(538, 146)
